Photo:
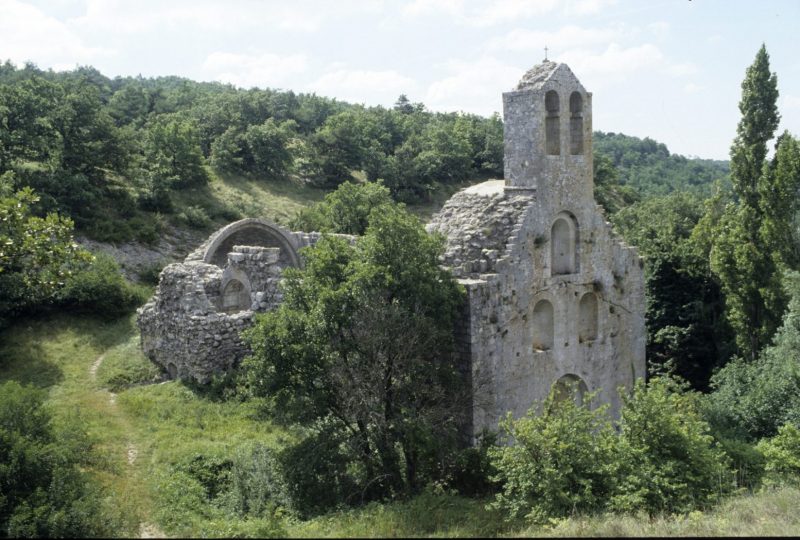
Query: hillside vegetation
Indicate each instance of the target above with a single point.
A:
(164, 455)
(345, 418)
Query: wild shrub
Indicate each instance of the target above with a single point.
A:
(753, 399)
(782, 455)
(98, 287)
(125, 366)
(667, 459)
(345, 210)
(44, 492)
(558, 462)
(257, 487)
(195, 217)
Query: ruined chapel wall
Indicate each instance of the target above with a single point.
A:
(513, 373)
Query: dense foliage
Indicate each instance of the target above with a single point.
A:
(753, 399)
(649, 169)
(361, 326)
(43, 492)
(686, 328)
(345, 210)
(35, 253)
(110, 152)
(568, 458)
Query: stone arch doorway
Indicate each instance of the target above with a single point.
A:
(235, 296)
(570, 386)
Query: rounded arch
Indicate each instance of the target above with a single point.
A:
(250, 232)
(564, 245)
(552, 123)
(576, 103)
(570, 386)
(543, 326)
(235, 296)
(587, 317)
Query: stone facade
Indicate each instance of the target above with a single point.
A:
(552, 296)
(192, 325)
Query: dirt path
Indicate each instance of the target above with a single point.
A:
(146, 530)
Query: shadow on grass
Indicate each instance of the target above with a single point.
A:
(24, 358)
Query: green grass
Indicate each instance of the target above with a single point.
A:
(147, 436)
(227, 198)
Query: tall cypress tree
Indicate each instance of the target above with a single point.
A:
(748, 269)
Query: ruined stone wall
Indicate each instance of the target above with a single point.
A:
(192, 326)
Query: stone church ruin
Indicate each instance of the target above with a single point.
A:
(552, 296)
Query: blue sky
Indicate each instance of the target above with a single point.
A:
(668, 69)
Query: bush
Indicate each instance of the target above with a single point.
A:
(319, 476)
(754, 399)
(569, 459)
(257, 486)
(125, 366)
(98, 287)
(667, 459)
(782, 455)
(194, 216)
(345, 210)
(472, 471)
(560, 461)
(747, 462)
(44, 492)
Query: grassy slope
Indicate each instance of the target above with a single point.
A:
(145, 434)
(227, 198)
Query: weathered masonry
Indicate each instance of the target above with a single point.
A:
(553, 297)
(192, 325)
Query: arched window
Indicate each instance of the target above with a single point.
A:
(235, 296)
(542, 326)
(570, 386)
(587, 317)
(552, 123)
(576, 124)
(563, 246)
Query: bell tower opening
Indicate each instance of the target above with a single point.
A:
(552, 123)
(576, 124)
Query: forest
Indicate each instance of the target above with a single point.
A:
(325, 429)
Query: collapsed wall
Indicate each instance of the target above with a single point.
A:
(192, 326)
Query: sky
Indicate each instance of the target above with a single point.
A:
(667, 69)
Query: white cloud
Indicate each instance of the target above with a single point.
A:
(363, 86)
(474, 86)
(682, 69)
(26, 33)
(587, 7)
(427, 7)
(206, 15)
(493, 12)
(248, 70)
(692, 88)
(566, 37)
(658, 29)
(614, 60)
